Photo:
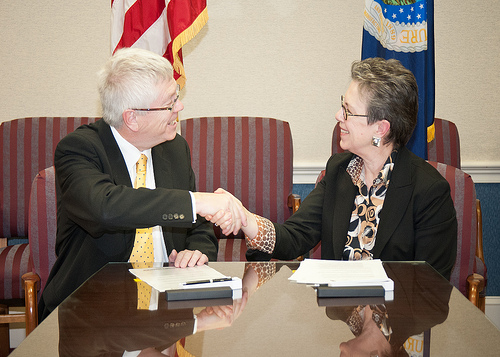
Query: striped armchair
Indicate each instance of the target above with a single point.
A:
(42, 228)
(445, 147)
(28, 146)
(251, 157)
(469, 273)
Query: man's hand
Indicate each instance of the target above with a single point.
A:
(208, 204)
(219, 317)
(187, 258)
(223, 220)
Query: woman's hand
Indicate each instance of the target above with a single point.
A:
(229, 210)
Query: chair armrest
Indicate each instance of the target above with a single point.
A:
(31, 281)
(475, 286)
(479, 228)
(294, 202)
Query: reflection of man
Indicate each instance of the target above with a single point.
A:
(98, 208)
(254, 276)
(109, 322)
(420, 302)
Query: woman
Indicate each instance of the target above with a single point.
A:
(378, 200)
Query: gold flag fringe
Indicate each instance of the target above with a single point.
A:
(183, 38)
(431, 132)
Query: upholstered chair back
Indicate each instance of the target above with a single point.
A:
(445, 147)
(28, 146)
(251, 157)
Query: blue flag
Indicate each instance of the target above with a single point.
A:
(404, 30)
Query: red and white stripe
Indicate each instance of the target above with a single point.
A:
(160, 26)
(140, 23)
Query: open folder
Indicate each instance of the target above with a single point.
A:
(198, 282)
(339, 278)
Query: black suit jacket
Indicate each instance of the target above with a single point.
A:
(98, 210)
(417, 222)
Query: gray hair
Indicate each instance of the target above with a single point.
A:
(391, 92)
(129, 80)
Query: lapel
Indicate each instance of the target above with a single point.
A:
(119, 172)
(338, 205)
(162, 166)
(396, 201)
(345, 194)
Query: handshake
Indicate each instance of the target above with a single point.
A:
(225, 211)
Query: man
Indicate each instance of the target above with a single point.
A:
(96, 166)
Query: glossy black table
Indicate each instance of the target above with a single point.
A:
(428, 317)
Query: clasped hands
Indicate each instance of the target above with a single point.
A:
(222, 209)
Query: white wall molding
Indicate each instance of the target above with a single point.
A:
(483, 172)
(480, 172)
(304, 174)
(492, 309)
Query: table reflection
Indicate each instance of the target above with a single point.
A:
(105, 319)
(400, 327)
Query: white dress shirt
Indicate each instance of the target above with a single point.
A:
(131, 155)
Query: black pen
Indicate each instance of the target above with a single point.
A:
(221, 279)
(207, 281)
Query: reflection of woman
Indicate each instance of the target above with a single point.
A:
(370, 341)
(378, 200)
(421, 302)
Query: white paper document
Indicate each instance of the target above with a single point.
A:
(169, 278)
(343, 273)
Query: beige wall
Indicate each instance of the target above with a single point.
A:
(287, 59)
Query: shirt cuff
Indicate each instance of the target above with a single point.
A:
(193, 204)
(195, 328)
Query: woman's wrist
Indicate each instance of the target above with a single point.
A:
(263, 233)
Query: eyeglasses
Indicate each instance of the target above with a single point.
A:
(177, 90)
(347, 113)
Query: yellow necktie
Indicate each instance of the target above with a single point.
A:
(142, 252)
(143, 244)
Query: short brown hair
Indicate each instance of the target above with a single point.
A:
(391, 93)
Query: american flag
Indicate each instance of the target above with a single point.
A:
(161, 26)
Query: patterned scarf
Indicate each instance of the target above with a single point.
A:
(367, 206)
